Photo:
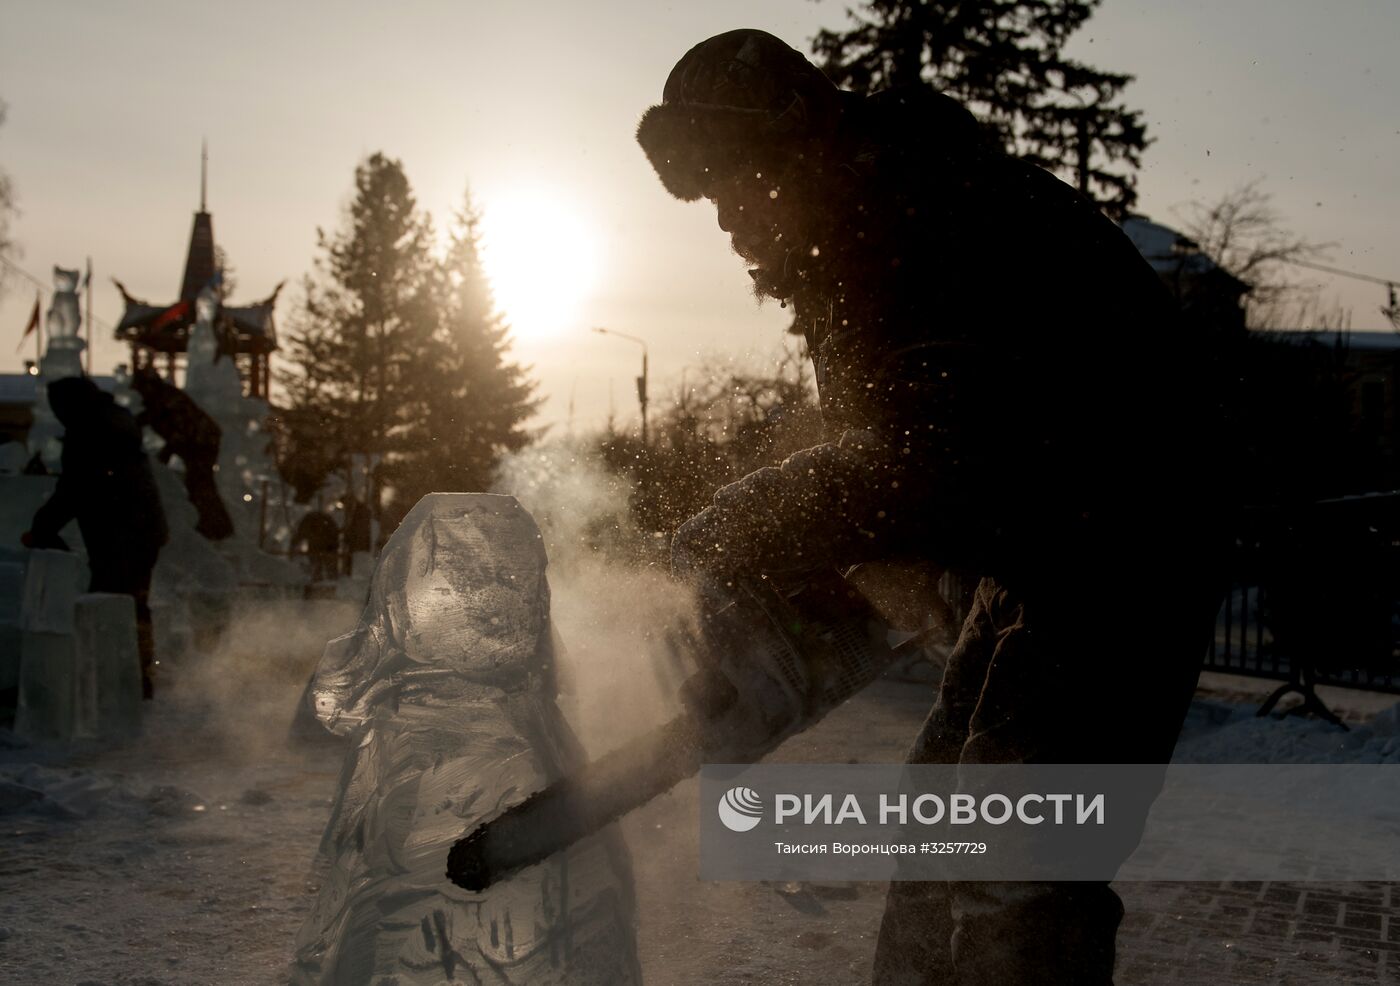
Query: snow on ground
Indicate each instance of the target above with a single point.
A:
(184, 857)
(1239, 736)
(181, 857)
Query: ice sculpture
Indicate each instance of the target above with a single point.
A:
(63, 357)
(78, 672)
(245, 466)
(446, 689)
(193, 583)
(211, 379)
(64, 317)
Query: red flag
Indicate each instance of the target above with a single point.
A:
(171, 315)
(33, 324)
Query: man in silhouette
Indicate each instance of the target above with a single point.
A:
(105, 485)
(1006, 392)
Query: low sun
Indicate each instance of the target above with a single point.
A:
(541, 259)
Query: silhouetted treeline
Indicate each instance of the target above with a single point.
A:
(1005, 62)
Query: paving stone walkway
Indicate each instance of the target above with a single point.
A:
(1285, 933)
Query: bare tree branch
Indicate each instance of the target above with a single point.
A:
(1243, 233)
(7, 204)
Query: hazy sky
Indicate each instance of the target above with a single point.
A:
(534, 106)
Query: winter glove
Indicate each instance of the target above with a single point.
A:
(807, 514)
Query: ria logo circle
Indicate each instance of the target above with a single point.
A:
(740, 809)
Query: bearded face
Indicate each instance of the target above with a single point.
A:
(769, 221)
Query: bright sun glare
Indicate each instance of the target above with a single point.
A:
(541, 259)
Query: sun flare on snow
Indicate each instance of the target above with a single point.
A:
(541, 259)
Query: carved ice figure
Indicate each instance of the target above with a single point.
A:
(446, 690)
(212, 381)
(63, 357)
(245, 464)
(193, 583)
(64, 318)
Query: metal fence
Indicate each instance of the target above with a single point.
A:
(1244, 643)
(1333, 615)
(1316, 595)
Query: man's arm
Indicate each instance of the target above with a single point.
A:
(60, 508)
(921, 479)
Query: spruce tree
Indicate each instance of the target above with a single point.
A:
(1004, 60)
(399, 353)
(477, 398)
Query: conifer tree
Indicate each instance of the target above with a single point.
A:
(478, 400)
(399, 353)
(1004, 60)
(7, 203)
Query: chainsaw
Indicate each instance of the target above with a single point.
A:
(765, 661)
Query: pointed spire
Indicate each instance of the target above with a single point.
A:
(199, 261)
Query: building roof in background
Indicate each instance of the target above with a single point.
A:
(1363, 341)
(1172, 253)
(200, 262)
(166, 328)
(23, 388)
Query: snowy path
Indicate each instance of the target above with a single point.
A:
(187, 864)
(198, 881)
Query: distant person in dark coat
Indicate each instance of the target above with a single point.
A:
(322, 539)
(106, 485)
(194, 436)
(357, 530)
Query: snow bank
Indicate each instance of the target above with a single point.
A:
(1247, 738)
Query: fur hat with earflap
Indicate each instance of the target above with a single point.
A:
(728, 95)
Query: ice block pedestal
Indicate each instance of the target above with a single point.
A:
(446, 690)
(108, 666)
(11, 590)
(47, 666)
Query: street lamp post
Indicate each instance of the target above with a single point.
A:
(641, 380)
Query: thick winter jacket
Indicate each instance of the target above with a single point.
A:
(106, 482)
(1002, 376)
